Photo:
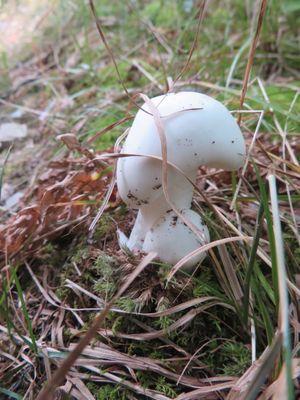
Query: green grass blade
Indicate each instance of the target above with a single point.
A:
(264, 283)
(283, 290)
(25, 312)
(263, 311)
(265, 202)
(251, 262)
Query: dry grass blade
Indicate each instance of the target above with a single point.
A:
(283, 291)
(58, 377)
(204, 392)
(152, 394)
(204, 248)
(276, 391)
(106, 356)
(231, 273)
(262, 11)
(184, 320)
(108, 128)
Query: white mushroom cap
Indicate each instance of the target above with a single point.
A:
(172, 239)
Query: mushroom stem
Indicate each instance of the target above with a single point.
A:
(146, 218)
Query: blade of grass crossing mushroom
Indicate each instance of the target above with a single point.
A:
(283, 290)
(47, 392)
(203, 249)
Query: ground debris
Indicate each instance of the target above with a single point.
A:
(65, 194)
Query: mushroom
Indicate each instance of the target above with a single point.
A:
(199, 131)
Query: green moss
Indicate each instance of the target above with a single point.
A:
(206, 284)
(126, 304)
(107, 391)
(149, 380)
(117, 325)
(230, 358)
(104, 266)
(164, 13)
(104, 227)
(164, 387)
(103, 270)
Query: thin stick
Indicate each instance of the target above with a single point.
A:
(263, 7)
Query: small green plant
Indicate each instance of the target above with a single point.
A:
(126, 304)
(104, 267)
(164, 387)
(107, 392)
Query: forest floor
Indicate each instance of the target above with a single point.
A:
(217, 334)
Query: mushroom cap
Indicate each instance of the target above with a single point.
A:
(172, 239)
(199, 131)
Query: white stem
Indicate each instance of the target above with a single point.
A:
(146, 218)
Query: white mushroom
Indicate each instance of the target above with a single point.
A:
(199, 131)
